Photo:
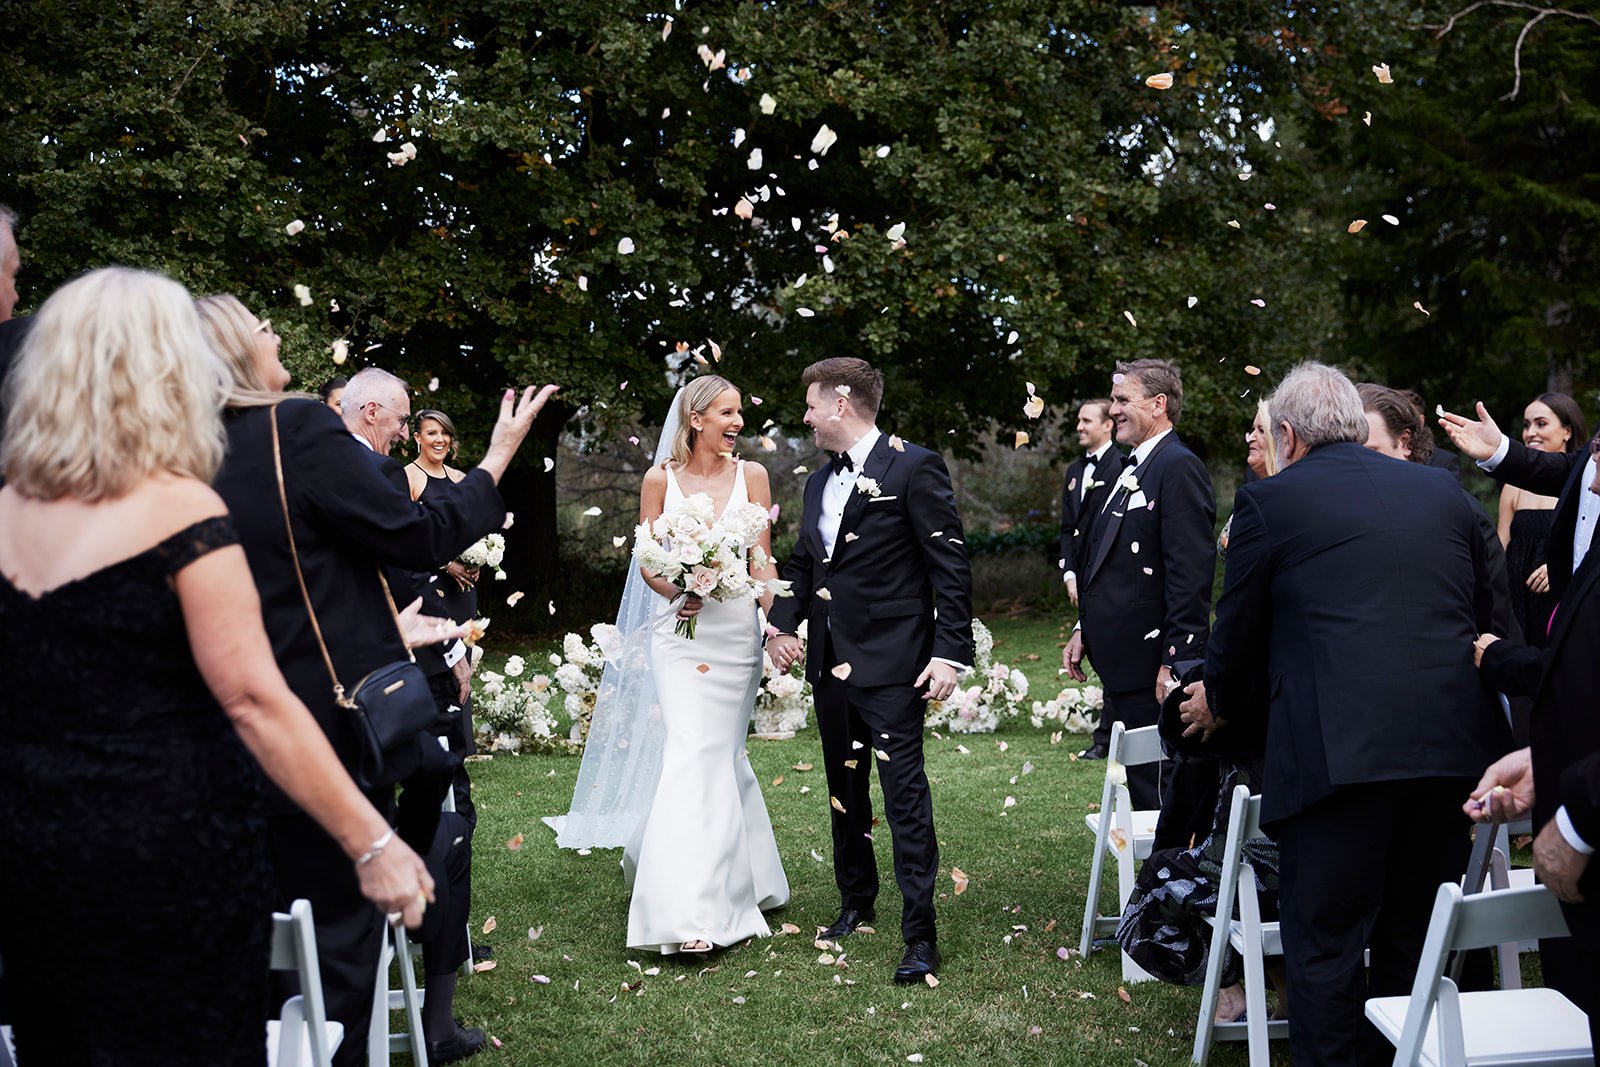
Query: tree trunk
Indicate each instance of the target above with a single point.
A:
(533, 557)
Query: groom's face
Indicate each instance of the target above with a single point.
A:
(824, 406)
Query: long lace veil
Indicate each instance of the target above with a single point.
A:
(622, 759)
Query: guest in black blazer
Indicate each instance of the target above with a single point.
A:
(880, 547)
(1146, 582)
(1361, 578)
(1087, 484)
(348, 519)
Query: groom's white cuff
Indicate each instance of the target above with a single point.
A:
(961, 668)
(1488, 465)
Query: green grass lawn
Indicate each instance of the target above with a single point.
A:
(1004, 994)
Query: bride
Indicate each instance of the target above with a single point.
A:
(665, 773)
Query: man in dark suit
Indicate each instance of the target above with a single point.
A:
(1565, 734)
(1353, 586)
(881, 546)
(1088, 483)
(348, 519)
(1146, 580)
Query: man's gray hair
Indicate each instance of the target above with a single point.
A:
(1320, 404)
(373, 385)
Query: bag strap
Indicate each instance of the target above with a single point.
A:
(305, 594)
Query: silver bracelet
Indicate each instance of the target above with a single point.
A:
(376, 850)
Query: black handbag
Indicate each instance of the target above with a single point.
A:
(391, 705)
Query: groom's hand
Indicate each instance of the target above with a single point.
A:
(784, 650)
(941, 679)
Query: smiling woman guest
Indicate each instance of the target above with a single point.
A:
(429, 476)
(1551, 423)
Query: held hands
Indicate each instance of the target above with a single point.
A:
(1478, 647)
(1478, 439)
(1505, 792)
(1072, 657)
(941, 679)
(397, 881)
(420, 629)
(784, 650)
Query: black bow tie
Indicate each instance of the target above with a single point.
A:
(1133, 461)
(842, 462)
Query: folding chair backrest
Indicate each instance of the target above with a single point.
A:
(1134, 747)
(294, 948)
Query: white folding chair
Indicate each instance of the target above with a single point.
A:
(303, 1034)
(1121, 832)
(397, 949)
(1247, 935)
(1441, 1027)
(1490, 868)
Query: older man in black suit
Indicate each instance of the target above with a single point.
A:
(1354, 587)
(880, 545)
(1146, 579)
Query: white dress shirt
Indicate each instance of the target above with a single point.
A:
(1582, 535)
(836, 493)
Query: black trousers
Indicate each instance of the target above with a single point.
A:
(1102, 728)
(1135, 708)
(310, 864)
(443, 933)
(1359, 870)
(856, 723)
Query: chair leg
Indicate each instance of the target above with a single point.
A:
(1255, 970)
(378, 1030)
(413, 1000)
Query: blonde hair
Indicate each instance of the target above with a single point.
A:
(232, 329)
(1269, 446)
(695, 398)
(115, 382)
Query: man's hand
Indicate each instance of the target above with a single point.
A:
(465, 577)
(512, 426)
(784, 650)
(462, 673)
(1539, 579)
(419, 629)
(1478, 647)
(1165, 683)
(1505, 792)
(941, 679)
(1072, 591)
(1072, 657)
(1478, 440)
(1558, 864)
(1196, 711)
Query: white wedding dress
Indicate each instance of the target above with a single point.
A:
(704, 864)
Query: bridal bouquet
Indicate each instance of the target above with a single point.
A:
(705, 556)
(486, 553)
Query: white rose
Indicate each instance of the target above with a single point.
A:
(514, 667)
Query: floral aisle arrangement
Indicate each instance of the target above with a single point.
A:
(487, 552)
(1074, 710)
(704, 555)
(996, 691)
(521, 712)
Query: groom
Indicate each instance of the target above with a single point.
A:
(880, 548)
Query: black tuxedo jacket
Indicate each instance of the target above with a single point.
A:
(1565, 729)
(907, 557)
(1359, 583)
(1078, 514)
(1557, 474)
(349, 519)
(1144, 594)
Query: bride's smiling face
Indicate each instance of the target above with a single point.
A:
(717, 427)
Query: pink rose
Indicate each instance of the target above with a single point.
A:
(702, 580)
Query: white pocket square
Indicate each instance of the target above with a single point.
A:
(880, 499)
(1137, 499)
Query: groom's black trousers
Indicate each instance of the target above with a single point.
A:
(862, 726)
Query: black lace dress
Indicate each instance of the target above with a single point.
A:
(135, 916)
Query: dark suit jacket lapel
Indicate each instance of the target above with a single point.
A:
(1581, 586)
(879, 460)
(1117, 505)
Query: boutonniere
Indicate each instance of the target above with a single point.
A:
(867, 485)
(1090, 485)
(1128, 481)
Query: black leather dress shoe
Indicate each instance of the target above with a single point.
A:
(1095, 752)
(846, 923)
(458, 1046)
(921, 959)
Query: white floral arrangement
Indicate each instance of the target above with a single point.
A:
(1074, 709)
(783, 702)
(513, 713)
(706, 556)
(487, 552)
(998, 692)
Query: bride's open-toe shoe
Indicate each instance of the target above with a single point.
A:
(700, 948)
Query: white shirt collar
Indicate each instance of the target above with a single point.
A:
(1100, 453)
(859, 451)
(1142, 453)
(364, 441)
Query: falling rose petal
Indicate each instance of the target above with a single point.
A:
(294, 227)
(959, 877)
(484, 965)
(1258, 302)
(738, 137)
(754, 162)
(1367, 118)
(1391, 220)
(1034, 407)
(1131, 320)
(1152, 635)
(433, 385)
(1011, 338)
(1122, 995)
(511, 601)
(489, 924)
(549, 464)
(1063, 953)
(1356, 226)
(515, 844)
(537, 979)
(702, 667)
(583, 283)
(833, 802)
(933, 983)
(1252, 370)
(535, 933)
(842, 390)
(896, 443)
(666, 29)
(804, 313)
(1159, 81)
(302, 293)
(1418, 305)
(744, 209)
(1381, 72)
(827, 264)
(823, 140)
(381, 136)
(340, 349)
(802, 767)
(768, 104)
(895, 232)
(625, 247)
(1021, 439)
(1269, 207)
(591, 512)
(551, 606)
(1234, 223)
(842, 671)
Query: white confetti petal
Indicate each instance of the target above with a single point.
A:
(294, 227)
(302, 293)
(754, 162)
(625, 247)
(823, 140)
(883, 152)
(768, 104)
